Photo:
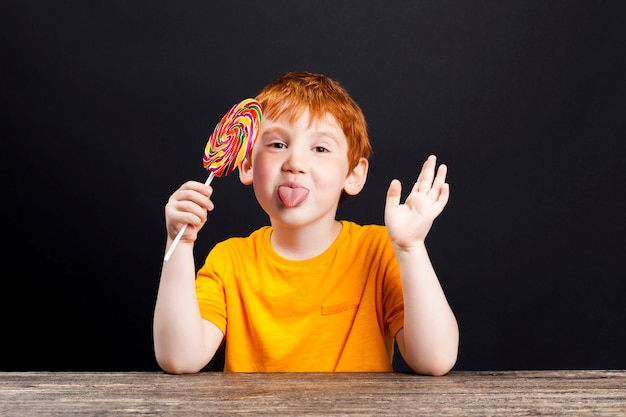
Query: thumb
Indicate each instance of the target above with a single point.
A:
(393, 194)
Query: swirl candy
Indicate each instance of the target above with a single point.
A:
(230, 142)
(232, 138)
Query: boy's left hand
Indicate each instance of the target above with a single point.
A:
(409, 223)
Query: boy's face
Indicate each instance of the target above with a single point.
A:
(299, 169)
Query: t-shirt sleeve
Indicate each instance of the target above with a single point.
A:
(210, 289)
(392, 289)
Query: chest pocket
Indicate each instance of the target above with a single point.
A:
(338, 308)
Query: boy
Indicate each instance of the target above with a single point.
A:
(309, 292)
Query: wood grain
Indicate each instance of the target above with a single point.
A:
(521, 393)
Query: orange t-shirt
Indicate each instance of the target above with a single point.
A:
(338, 311)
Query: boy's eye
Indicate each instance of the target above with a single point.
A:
(278, 145)
(320, 149)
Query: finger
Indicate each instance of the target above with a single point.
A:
(440, 179)
(200, 197)
(442, 199)
(425, 179)
(194, 213)
(393, 194)
(420, 178)
(185, 212)
(193, 186)
(442, 171)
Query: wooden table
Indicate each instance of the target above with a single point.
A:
(553, 393)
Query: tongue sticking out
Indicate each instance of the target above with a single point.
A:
(292, 197)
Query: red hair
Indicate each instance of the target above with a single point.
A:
(291, 94)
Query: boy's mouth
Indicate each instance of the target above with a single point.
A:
(292, 195)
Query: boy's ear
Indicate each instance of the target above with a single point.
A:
(356, 178)
(245, 171)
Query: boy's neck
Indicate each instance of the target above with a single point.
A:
(304, 242)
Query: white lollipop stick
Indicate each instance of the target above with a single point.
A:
(229, 143)
(182, 229)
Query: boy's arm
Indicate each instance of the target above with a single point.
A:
(183, 341)
(430, 337)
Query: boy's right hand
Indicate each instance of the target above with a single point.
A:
(188, 206)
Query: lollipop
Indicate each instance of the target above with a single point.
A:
(228, 145)
(232, 138)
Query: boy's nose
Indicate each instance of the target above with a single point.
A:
(297, 161)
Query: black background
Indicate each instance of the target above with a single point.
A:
(107, 105)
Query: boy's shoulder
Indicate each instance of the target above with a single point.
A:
(364, 231)
(256, 237)
(369, 240)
